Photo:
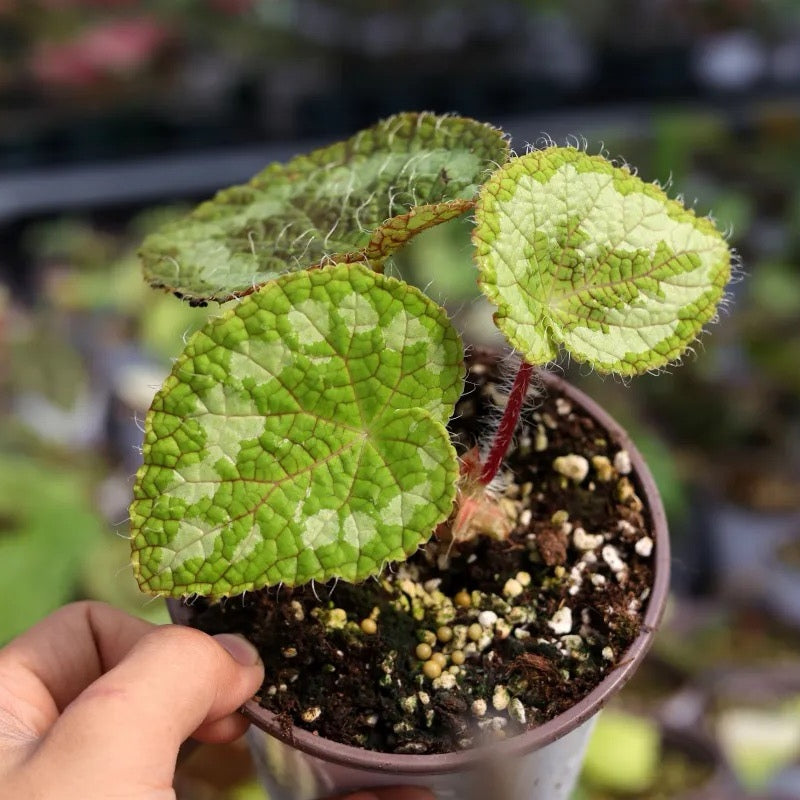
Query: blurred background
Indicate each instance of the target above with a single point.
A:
(118, 115)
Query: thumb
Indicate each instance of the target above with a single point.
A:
(126, 728)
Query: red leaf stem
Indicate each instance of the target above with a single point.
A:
(508, 423)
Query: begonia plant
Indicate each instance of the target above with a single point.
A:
(301, 435)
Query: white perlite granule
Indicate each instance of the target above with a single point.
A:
(479, 707)
(487, 618)
(622, 462)
(586, 541)
(612, 558)
(644, 547)
(561, 621)
(572, 466)
(517, 711)
(500, 698)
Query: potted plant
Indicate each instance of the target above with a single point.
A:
(484, 579)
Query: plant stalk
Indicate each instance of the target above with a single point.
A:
(508, 423)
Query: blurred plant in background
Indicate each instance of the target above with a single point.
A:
(82, 365)
(56, 518)
(88, 78)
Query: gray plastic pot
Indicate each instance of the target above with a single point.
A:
(541, 764)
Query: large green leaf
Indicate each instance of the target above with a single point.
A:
(299, 436)
(355, 200)
(577, 252)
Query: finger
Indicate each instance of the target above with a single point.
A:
(224, 730)
(46, 668)
(128, 725)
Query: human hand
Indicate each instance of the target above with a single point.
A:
(94, 704)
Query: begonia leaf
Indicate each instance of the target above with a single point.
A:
(355, 200)
(300, 436)
(577, 252)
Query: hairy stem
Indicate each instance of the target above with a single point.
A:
(508, 424)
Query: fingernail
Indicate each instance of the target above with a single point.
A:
(239, 648)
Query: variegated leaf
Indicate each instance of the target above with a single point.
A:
(300, 436)
(575, 251)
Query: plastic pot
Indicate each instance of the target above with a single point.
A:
(540, 764)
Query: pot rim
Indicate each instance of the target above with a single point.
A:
(548, 732)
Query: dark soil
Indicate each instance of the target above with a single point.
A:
(539, 619)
